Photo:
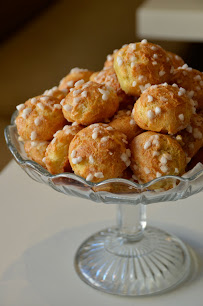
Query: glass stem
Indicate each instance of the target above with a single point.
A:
(131, 221)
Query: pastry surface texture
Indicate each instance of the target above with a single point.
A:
(124, 123)
(155, 155)
(89, 103)
(56, 92)
(191, 138)
(39, 118)
(177, 61)
(56, 157)
(163, 108)
(36, 151)
(140, 65)
(75, 75)
(139, 118)
(108, 76)
(99, 152)
(192, 81)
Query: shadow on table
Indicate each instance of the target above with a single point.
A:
(45, 275)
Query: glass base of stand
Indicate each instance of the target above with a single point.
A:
(110, 263)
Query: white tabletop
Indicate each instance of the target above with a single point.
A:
(41, 229)
(180, 20)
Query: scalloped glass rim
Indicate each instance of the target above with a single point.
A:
(55, 179)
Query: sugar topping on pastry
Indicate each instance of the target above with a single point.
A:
(135, 68)
(99, 102)
(191, 138)
(142, 111)
(167, 116)
(177, 61)
(169, 157)
(57, 160)
(36, 151)
(40, 119)
(108, 77)
(75, 75)
(56, 92)
(94, 161)
(192, 81)
(124, 123)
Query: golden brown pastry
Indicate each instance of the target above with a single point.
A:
(191, 138)
(119, 187)
(109, 60)
(108, 76)
(124, 123)
(155, 155)
(132, 94)
(36, 151)
(56, 93)
(177, 61)
(192, 81)
(56, 157)
(89, 103)
(163, 108)
(39, 118)
(75, 75)
(140, 65)
(99, 152)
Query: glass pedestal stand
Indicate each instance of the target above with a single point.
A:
(132, 259)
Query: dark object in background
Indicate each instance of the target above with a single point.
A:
(14, 14)
(191, 52)
(198, 158)
(193, 56)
